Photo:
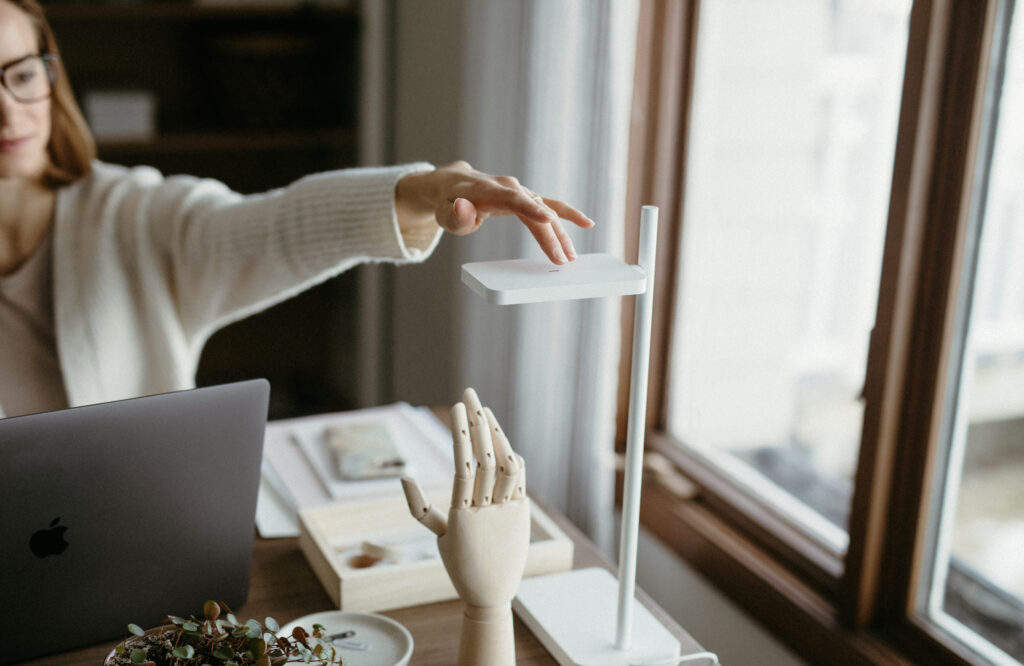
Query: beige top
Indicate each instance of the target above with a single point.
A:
(145, 268)
(32, 379)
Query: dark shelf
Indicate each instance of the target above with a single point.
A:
(340, 139)
(255, 96)
(188, 11)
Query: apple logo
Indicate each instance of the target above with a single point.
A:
(49, 541)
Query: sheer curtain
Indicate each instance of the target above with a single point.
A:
(547, 88)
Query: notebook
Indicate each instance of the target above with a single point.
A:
(126, 512)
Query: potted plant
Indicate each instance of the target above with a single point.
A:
(219, 639)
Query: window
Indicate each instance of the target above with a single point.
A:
(976, 587)
(786, 201)
(839, 348)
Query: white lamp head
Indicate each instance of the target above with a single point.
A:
(529, 281)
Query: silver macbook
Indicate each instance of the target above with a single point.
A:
(126, 512)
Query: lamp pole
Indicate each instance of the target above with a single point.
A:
(636, 423)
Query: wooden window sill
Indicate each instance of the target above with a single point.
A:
(790, 608)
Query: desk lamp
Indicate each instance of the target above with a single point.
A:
(572, 612)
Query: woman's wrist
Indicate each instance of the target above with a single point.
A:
(415, 205)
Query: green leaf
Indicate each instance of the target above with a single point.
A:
(190, 626)
(224, 654)
(136, 629)
(254, 629)
(138, 656)
(177, 620)
(232, 619)
(258, 647)
(272, 624)
(184, 652)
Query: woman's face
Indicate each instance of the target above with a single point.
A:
(24, 127)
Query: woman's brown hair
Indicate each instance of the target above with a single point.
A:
(72, 147)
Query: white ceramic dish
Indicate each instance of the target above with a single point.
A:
(377, 641)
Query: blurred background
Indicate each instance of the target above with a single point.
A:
(795, 107)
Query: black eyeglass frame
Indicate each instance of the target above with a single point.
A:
(49, 60)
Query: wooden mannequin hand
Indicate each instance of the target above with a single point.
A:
(485, 539)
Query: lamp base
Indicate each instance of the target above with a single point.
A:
(574, 614)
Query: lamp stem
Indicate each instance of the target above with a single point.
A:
(635, 429)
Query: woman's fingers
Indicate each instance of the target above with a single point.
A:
(567, 212)
(471, 197)
(473, 203)
(459, 217)
(553, 240)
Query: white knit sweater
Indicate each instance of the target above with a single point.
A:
(146, 268)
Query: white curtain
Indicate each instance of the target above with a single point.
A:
(547, 89)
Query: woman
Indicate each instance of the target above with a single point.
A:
(112, 279)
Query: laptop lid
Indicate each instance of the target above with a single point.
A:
(126, 512)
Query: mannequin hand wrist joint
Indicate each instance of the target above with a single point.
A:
(486, 614)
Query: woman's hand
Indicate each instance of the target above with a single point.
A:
(459, 198)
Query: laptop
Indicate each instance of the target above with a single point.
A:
(126, 512)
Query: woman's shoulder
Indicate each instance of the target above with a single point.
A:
(113, 196)
(103, 178)
(107, 183)
(105, 174)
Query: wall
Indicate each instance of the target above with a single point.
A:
(426, 70)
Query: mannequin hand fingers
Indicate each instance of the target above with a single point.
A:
(508, 463)
(483, 448)
(462, 488)
(421, 509)
(520, 489)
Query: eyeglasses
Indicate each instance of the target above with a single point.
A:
(30, 79)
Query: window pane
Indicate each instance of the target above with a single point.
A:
(977, 587)
(791, 145)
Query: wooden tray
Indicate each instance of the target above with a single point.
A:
(331, 537)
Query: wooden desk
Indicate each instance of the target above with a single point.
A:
(283, 586)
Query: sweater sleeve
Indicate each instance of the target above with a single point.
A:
(224, 256)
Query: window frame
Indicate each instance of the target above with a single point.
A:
(859, 607)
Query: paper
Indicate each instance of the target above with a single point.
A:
(274, 517)
(425, 443)
(297, 471)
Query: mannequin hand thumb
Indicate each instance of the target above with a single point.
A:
(421, 509)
